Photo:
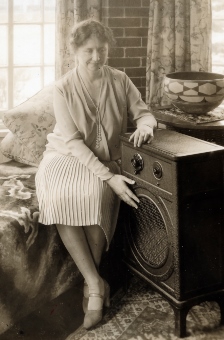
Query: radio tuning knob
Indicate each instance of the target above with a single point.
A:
(137, 163)
(157, 170)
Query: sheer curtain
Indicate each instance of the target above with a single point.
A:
(69, 12)
(179, 39)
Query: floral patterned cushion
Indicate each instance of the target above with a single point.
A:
(12, 148)
(30, 122)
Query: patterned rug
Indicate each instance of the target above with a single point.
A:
(142, 314)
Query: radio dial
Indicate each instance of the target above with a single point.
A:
(137, 163)
(157, 170)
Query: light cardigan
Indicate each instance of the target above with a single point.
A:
(75, 130)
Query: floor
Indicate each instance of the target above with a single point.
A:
(140, 313)
(54, 321)
(136, 313)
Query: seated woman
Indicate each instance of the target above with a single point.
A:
(79, 185)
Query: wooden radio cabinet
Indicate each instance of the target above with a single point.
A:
(175, 239)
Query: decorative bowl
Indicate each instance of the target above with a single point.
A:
(195, 92)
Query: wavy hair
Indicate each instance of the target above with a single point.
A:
(84, 29)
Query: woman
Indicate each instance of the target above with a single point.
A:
(79, 185)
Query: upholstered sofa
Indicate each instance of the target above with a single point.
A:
(34, 264)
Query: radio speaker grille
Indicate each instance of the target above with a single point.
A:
(148, 232)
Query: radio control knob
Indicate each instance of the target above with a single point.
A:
(157, 170)
(137, 163)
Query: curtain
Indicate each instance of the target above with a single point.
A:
(179, 39)
(68, 13)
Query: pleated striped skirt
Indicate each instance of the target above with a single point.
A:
(69, 193)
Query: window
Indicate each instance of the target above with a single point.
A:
(218, 36)
(27, 35)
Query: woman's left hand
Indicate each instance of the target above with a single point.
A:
(143, 134)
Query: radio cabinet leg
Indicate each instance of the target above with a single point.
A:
(180, 321)
(180, 312)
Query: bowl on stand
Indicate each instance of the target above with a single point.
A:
(195, 92)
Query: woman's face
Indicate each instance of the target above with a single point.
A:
(92, 54)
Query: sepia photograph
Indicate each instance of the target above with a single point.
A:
(112, 169)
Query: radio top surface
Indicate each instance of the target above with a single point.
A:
(174, 144)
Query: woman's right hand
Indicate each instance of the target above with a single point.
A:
(119, 186)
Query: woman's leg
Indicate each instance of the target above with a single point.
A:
(74, 239)
(97, 241)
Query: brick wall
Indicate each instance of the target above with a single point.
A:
(129, 21)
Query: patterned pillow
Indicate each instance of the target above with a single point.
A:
(12, 148)
(30, 122)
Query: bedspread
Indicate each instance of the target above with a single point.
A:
(34, 265)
